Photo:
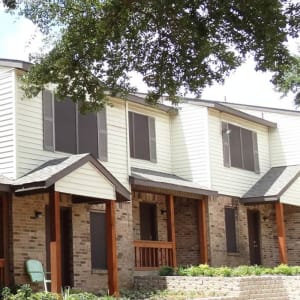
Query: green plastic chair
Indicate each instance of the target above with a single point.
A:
(36, 272)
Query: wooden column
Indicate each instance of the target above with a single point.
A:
(281, 233)
(55, 242)
(6, 228)
(111, 248)
(171, 227)
(202, 208)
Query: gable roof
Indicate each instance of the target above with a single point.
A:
(168, 183)
(230, 110)
(272, 185)
(53, 170)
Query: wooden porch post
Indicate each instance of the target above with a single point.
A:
(55, 242)
(6, 228)
(111, 248)
(281, 233)
(171, 227)
(202, 208)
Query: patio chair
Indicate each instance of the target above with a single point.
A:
(36, 272)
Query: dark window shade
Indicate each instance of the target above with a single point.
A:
(98, 240)
(230, 227)
(48, 124)
(65, 126)
(235, 146)
(142, 137)
(247, 146)
(88, 134)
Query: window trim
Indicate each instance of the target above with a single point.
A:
(151, 135)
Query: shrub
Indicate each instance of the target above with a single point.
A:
(205, 270)
(166, 271)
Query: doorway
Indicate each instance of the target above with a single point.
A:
(254, 236)
(148, 221)
(66, 231)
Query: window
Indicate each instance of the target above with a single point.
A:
(67, 130)
(142, 137)
(98, 240)
(240, 147)
(230, 227)
(148, 221)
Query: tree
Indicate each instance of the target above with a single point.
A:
(174, 45)
(290, 80)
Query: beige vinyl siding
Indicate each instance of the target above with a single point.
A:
(29, 138)
(162, 130)
(234, 181)
(86, 181)
(189, 140)
(292, 194)
(7, 123)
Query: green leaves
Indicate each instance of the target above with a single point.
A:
(175, 45)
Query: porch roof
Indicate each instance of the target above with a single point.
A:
(273, 186)
(55, 170)
(148, 180)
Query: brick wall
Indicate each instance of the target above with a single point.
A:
(187, 231)
(218, 253)
(28, 237)
(233, 288)
(160, 201)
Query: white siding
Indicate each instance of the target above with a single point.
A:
(29, 138)
(292, 194)
(189, 140)
(162, 130)
(86, 181)
(7, 123)
(234, 181)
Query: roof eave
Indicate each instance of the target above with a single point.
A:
(17, 64)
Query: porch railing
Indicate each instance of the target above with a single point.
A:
(151, 255)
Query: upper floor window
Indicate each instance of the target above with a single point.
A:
(142, 137)
(240, 147)
(67, 130)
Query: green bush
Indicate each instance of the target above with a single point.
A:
(205, 270)
(166, 271)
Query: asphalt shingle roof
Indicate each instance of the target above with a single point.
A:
(273, 184)
(167, 181)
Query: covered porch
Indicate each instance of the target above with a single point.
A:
(169, 220)
(53, 220)
(279, 190)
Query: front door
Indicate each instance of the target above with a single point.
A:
(66, 244)
(254, 236)
(148, 221)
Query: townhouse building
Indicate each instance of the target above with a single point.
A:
(103, 197)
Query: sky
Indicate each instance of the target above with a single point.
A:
(244, 85)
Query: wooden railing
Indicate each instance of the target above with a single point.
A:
(151, 255)
(2, 272)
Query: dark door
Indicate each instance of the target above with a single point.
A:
(254, 236)
(66, 244)
(148, 221)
